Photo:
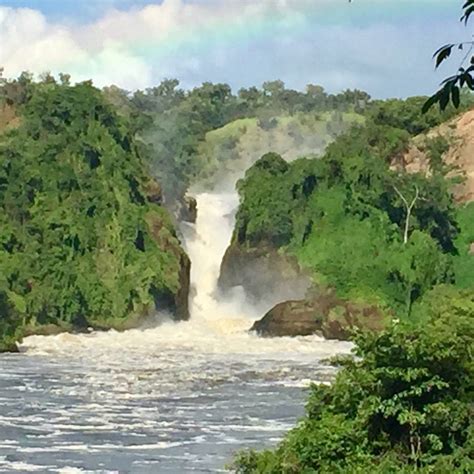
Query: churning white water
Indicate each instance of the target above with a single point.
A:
(175, 398)
(206, 243)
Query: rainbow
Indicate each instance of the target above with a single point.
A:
(337, 13)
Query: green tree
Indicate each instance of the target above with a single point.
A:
(83, 241)
(404, 404)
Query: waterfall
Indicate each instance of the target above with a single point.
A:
(206, 242)
(218, 325)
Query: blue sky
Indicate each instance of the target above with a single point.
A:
(79, 10)
(382, 46)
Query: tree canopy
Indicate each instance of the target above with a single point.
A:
(81, 242)
(353, 219)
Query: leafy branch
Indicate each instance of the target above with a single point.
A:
(450, 87)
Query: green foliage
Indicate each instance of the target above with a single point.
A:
(345, 215)
(452, 87)
(237, 145)
(265, 216)
(464, 261)
(405, 114)
(75, 245)
(404, 404)
(436, 147)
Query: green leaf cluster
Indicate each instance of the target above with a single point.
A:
(453, 86)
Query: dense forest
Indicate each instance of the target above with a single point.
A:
(356, 221)
(84, 238)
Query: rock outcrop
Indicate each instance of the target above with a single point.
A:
(181, 297)
(188, 210)
(176, 301)
(266, 275)
(153, 192)
(326, 316)
(459, 134)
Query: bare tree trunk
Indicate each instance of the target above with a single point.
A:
(409, 208)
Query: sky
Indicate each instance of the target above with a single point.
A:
(384, 47)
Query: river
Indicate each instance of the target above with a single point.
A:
(170, 398)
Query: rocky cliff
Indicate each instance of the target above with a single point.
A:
(266, 275)
(458, 134)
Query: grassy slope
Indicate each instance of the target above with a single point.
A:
(240, 143)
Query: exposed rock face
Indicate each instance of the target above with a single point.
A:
(153, 192)
(266, 275)
(181, 299)
(459, 133)
(188, 210)
(176, 302)
(8, 117)
(325, 316)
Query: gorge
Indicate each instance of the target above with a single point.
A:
(146, 233)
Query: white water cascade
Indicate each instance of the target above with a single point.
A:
(206, 243)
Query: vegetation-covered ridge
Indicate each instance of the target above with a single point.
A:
(377, 230)
(84, 240)
(357, 222)
(239, 144)
(190, 135)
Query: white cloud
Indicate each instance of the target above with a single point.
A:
(193, 40)
(103, 50)
(25, 38)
